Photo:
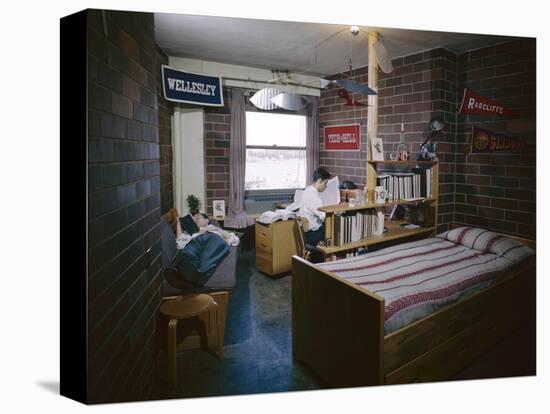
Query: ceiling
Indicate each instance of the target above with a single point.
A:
(291, 46)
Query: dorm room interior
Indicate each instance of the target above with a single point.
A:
(210, 142)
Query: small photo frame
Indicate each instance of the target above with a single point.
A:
(377, 149)
(218, 207)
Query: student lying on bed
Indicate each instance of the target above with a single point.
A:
(200, 253)
(205, 225)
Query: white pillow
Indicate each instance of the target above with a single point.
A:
(487, 241)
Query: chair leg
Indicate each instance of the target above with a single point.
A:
(171, 351)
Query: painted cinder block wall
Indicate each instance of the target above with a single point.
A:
(499, 190)
(124, 203)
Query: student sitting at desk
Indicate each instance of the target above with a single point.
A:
(309, 204)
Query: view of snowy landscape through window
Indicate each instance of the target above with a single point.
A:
(275, 151)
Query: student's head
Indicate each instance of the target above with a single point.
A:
(201, 219)
(320, 179)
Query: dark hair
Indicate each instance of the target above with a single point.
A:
(320, 173)
(210, 220)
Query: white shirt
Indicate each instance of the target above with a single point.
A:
(309, 204)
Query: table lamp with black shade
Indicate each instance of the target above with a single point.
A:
(428, 149)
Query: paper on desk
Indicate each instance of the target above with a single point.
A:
(268, 217)
(331, 195)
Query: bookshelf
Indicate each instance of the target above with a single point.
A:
(395, 230)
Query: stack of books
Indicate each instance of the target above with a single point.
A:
(352, 227)
(413, 185)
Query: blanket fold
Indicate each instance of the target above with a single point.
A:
(200, 257)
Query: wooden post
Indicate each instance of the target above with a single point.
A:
(372, 111)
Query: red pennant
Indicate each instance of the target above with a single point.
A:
(342, 93)
(486, 141)
(480, 105)
(343, 137)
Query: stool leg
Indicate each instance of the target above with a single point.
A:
(219, 331)
(171, 351)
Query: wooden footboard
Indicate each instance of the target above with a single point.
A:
(337, 327)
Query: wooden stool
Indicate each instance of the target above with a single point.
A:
(186, 307)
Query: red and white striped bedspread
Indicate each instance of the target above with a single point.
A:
(419, 277)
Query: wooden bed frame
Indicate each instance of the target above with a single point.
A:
(338, 328)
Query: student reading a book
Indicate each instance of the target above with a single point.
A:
(309, 205)
(185, 231)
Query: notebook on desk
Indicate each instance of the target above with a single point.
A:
(188, 224)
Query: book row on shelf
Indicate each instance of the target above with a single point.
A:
(410, 185)
(349, 228)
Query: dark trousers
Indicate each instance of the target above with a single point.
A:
(315, 236)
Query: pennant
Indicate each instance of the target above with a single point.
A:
(193, 88)
(342, 93)
(345, 137)
(484, 141)
(480, 105)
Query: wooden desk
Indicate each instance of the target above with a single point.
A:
(275, 246)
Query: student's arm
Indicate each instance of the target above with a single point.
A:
(320, 214)
(179, 230)
(310, 204)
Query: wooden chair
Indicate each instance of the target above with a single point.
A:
(300, 240)
(305, 250)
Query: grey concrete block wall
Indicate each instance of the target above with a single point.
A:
(124, 200)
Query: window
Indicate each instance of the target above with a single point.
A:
(275, 151)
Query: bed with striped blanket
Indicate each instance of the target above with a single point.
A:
(414, 312)
(420, 277)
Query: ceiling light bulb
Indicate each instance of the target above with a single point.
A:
(354, 30)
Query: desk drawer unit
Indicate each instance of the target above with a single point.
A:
(275, 246)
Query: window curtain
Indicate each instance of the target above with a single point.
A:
(236, 217)
(312, 138)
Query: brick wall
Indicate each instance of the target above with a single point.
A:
(217, 130)
(494, 191)
(474, 189)
(165, 137)
(498, 190)
(124, 205)
(422, 86)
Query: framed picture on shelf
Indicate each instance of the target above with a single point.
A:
(377, 149)
(218, 207)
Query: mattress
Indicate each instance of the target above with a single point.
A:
(420, 277)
